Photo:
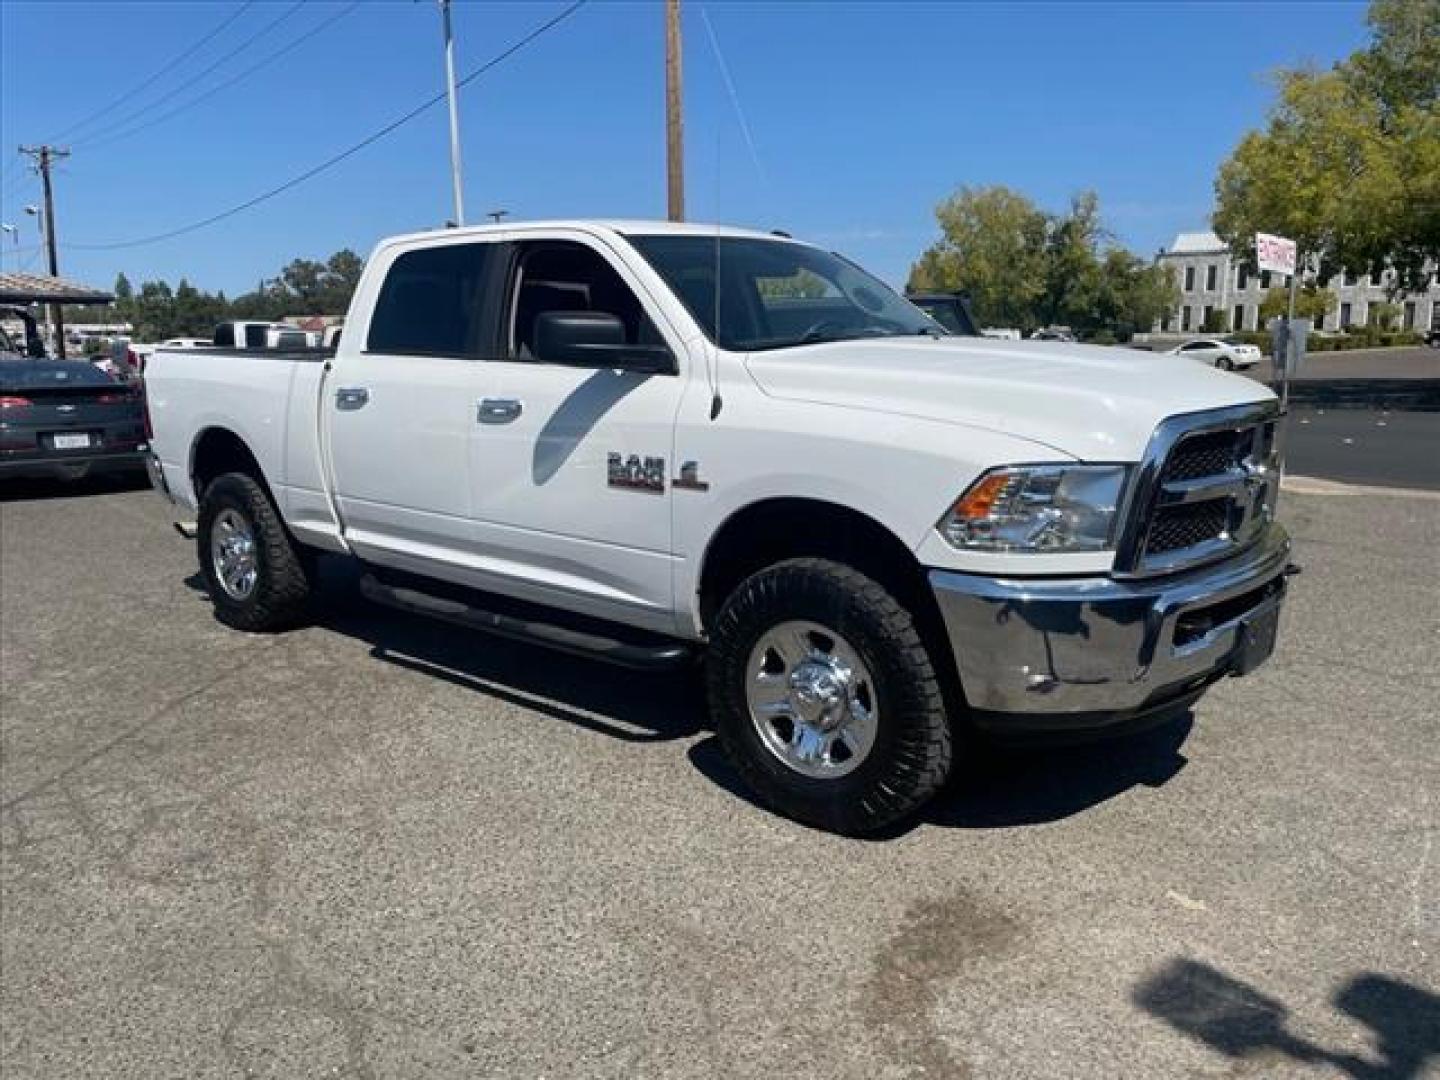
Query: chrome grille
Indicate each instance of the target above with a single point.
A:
(1205, 490)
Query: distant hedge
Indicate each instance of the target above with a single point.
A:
(1356, 337)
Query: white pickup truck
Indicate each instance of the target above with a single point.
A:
(655, 443)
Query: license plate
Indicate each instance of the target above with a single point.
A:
(1257, 640)
(71, 442)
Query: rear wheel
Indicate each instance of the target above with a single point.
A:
(825, 698)
(257, 575)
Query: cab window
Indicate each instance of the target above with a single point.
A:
(562, 275)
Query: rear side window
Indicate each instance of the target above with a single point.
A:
(432, 302)
(255, 335)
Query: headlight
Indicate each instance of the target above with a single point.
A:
(1037, 508)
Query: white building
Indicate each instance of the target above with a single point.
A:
(1210, 280)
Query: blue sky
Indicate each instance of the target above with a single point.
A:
(863, 116)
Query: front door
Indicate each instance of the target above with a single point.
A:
(571, 466)
(398, 409)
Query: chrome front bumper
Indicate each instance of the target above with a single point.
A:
(1076, 653)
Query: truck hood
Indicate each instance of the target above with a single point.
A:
(1092, 403)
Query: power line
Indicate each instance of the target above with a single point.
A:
(164, 69)
(125, 133)
(225, 58)
(330, 162)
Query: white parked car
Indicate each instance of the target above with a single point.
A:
(651, 444)
(1217, 352)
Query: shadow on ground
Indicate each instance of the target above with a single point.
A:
(34, 489)
(1237, 1020)
(991, 788)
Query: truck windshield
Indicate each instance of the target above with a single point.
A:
(750, 294)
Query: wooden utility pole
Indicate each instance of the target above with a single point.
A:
(45, 156)
(674, 120)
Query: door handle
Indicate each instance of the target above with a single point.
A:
(350, 398)
(498, 410)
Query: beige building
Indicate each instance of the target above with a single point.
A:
(1211, 280)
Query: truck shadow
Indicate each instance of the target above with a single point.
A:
(994, 787)
(991, 788)
(1237, 1020)
(613, 701)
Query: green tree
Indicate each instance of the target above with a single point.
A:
(123, 290)
(1026, 268)
(1311, 302)
(1385, 316)
(993, 246)
(1349, 163)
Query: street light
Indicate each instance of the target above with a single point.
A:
(39, 214)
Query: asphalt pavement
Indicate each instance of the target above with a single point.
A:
(381, 847)
(1365, 446)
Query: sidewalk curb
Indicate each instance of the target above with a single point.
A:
(1313, 485)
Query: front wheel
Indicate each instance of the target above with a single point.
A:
(825, 698)
(1225, 364)
(256, 573)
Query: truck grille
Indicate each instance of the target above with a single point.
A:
(1205, 490)
(1209, 454)
(1179, 527)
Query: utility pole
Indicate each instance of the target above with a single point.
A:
(454, 113)
(674, 121)
(45, 157)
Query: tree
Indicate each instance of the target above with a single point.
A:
(1349, 163)
(1311, 302)
(993, 247)
(123, 289)
(1025, 268)
(1214, 322)
(1385, 316)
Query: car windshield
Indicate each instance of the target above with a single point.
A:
(749, 294)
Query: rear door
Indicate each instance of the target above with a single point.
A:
(570, 466)
(398, 407)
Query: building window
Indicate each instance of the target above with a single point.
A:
(1189, 279)
(1435, 315)
(1242, 278)
(1210, 276)
(1345, 315)
(1205, 319)
(1409, 323)
(1239, 321)
(1185, 319)
(1265, 280)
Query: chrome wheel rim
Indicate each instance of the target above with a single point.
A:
(232, 554)
(811, 699)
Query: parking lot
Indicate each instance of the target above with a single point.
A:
(380, 847)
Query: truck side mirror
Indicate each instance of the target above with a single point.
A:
(594, 339)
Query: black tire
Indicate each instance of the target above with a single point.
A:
(1225, 364)
(910, 757)
(281, 591)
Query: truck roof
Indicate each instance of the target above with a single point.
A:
(616, 225)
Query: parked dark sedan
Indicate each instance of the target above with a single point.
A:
(67, 418)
